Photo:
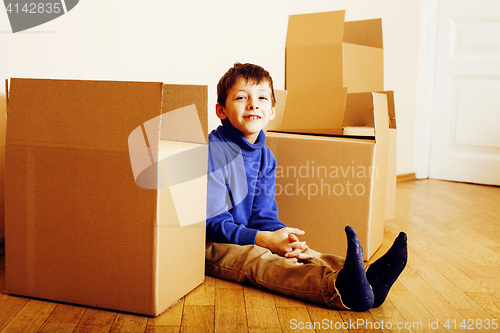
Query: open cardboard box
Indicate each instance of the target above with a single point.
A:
(326, 181)
(105, 188)
(324, 54)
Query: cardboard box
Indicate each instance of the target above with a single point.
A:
(325, 181)
(79, 229)
(324, 54)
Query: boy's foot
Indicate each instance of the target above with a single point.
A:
(352, 284)
(384, 272)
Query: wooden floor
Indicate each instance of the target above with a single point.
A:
(452, 280)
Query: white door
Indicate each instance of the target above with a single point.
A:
(465, 137)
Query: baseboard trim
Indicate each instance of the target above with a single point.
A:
(407, 177)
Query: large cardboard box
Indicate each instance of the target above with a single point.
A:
(105, 188)
(326, 181)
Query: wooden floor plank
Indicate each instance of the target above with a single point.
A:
(488, 302)
(260, 309)
(288, 302)
(452, 274)
(96, 321)
(389, 318)
(127, 323)
(66, 314)
(293, 319)
(328, 319)
(411, 309)
(10, 306)
(198, 318)
(204, 294)
(57, 327)
(230, 312)
(447, 290)
(162, 329)
(431, 300)
(171, 317)
(360, 321)
(31, 317)
(2, 275)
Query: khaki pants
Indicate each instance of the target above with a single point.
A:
(314, 281)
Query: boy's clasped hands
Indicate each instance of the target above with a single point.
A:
(285, 243)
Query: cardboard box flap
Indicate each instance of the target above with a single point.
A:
(370, 110)
(381, 118)
(358, 110)
(316, 28)
(365, 32)
(391, 108)
(314, 109)
(185, 127)
(68, 108)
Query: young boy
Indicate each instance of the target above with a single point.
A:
(246, 241)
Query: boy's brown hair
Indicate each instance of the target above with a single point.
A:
(251, 73)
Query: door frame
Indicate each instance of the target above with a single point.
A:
(426, 86)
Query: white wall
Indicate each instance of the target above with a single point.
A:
(197, 41)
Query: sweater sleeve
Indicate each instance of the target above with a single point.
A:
(265, 210)
(221, 226)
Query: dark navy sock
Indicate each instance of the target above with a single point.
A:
(352, 284)
(384, 272)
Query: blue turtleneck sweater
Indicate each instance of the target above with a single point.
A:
(241, 187)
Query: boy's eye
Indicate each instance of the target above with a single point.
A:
(263, 97)
(240, 97)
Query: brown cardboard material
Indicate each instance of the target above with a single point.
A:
(326, 58)
(3, 110)
(366, 120)
(78, 227)
(390, 201)
(324, 182)
(280, 96)
(323, 52)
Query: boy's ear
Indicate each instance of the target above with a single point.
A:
(220, 111)
(273, 113)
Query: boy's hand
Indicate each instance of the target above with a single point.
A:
(283, 242)
(296, 254)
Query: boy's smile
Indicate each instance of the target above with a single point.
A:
(248, 107)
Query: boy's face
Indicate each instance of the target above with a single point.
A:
(248, 108)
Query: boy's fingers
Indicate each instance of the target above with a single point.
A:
(295, 231)
(293, 259)
(293, 254)
(303, 256)
(292, 238)
(298, 245)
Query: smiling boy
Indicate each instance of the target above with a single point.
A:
(246, 241)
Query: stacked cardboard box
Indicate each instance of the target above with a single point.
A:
(326, 180)
(105, 188)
